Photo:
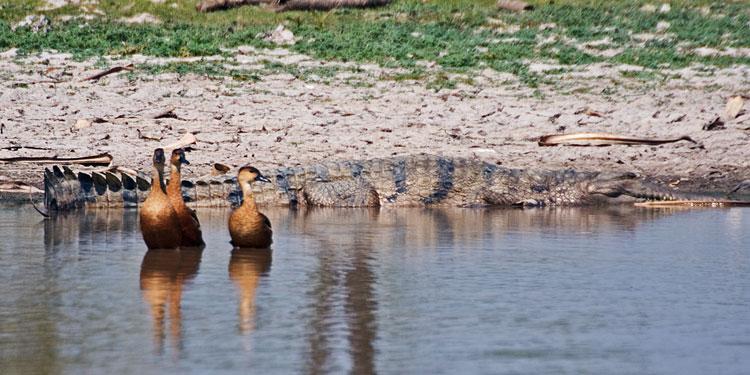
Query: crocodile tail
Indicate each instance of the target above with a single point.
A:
(66, 190)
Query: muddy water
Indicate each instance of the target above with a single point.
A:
(391, 291)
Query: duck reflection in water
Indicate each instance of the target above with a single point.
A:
(246, 267)
(164, 274)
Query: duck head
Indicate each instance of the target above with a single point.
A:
(178, 157)
(159, 158)
(248, 174)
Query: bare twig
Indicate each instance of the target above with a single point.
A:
(116, 69)
(16, 148)
(31, 199)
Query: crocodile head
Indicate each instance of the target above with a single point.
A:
(619, 185)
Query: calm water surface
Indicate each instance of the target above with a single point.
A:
(618, 291)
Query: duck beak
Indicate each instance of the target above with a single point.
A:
(262, 178)
(183, 160)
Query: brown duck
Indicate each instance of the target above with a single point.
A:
(159, 224)
(189, 224)
(247, 226)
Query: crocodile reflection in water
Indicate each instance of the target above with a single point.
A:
(344, 276)
(164, 273)
(344, 266)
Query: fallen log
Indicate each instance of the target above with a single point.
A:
(287, 5)
(213, 5)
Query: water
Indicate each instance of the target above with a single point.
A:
(616, 291)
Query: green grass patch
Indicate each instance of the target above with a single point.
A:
(459, 35)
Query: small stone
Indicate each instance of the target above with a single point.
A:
(246, 50)
(81, 123)
(662, 26)
(9, 54)
(665, 8)
(547, 26)
(37, 23)
(280, 36)
(141, 18)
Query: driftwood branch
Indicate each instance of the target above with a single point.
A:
(212, 5)
(601, 139)
(100, 159)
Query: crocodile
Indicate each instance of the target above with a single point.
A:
(416, 180)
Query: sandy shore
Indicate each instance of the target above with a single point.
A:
(282, 120)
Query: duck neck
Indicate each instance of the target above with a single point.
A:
(175, 177)
(248, 199)
(157, 180)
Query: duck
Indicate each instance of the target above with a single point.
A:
(189, 224)
(248, 227)
(158, 219)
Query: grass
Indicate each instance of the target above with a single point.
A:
(459, 35)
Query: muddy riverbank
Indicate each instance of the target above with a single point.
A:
(360, 112)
